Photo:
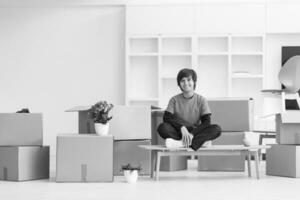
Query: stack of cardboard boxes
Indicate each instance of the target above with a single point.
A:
(283, 158)
(95, 158)
(235, 117)
(22, 154)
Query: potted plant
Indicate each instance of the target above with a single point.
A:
(99, 113)
(131, 173)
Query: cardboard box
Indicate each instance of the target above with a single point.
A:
(84, 158)
(283, 160)
(169, 163)
(21, 129)
(128, 122)
(224, 163)
(129, 152)
(24, 163)
(85, 123)
(232, 114)
(287, 132)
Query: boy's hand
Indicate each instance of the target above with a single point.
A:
(186, 137)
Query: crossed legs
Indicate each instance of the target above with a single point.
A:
(201, 135)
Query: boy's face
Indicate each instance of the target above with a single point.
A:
(187, 84)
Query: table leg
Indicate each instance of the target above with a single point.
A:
(261, 137)
(249, 163)
(256, 164)
(158, 156)
(153, 163)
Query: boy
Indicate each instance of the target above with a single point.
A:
(187, 117)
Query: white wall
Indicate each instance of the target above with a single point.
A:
(55, 57)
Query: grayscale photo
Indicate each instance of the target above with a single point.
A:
(149, 99)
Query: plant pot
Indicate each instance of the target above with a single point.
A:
(101, 129)
(131, 176)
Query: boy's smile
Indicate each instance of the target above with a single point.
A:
(187, 84)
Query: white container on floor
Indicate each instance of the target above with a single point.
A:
(131, 176)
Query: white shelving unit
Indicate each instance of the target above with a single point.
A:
(227, 65)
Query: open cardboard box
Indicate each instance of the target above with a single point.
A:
(128, 122)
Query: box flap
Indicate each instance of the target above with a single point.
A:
(291, 116)
(78, 108)
(230, 99)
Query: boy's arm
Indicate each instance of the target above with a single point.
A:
(176, 122)
(205, 121)
(205, 114)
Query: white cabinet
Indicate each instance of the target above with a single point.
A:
(230, 18)
(214, 18)
(283, 18)
(159, 19)
(200, 18)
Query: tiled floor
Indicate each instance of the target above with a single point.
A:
(182, 185)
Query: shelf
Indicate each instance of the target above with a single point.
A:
(169, 77)
(273, 91)
(249, 53)
(143, 36)
(176, 45)
(243, 35)
(212, 44)
(144, 102)
(250, 64)
(247, 76)
(143, 45)
(177, 54)
(247, 44)
(142, 54)
(213, 54)
(142, 99)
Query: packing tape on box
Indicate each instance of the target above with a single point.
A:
(83, 172)
(5, 173)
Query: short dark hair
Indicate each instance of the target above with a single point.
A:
(185, 73)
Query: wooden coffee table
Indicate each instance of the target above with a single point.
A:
(215, 150)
